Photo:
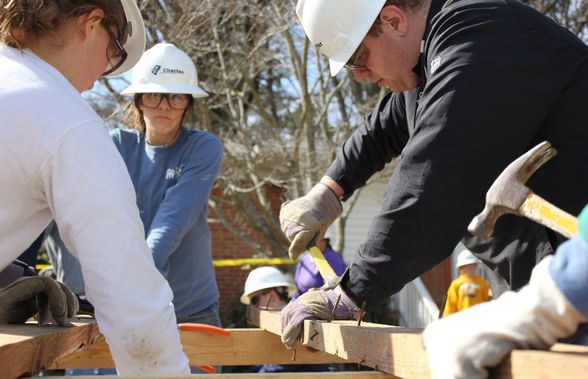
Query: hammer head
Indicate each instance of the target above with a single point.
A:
(508, 192)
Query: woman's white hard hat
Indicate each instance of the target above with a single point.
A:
(337, 27)
(263, 278)
(165, 69)
(135, 43)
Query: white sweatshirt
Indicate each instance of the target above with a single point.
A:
(58, 161)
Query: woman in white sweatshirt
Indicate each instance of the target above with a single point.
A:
(57, 161)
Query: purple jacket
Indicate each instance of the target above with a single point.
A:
(307, 274)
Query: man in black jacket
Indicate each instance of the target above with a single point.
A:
(475, 84)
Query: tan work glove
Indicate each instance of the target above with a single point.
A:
(29, 295)
(307, 218)
(465, 344)
(314, 305)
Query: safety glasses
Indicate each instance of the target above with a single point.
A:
(177, 101)
(255, 299)
(115, 53)
(358, 59)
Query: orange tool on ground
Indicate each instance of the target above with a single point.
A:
(195, 327)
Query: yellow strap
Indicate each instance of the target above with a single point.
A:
(230, 262)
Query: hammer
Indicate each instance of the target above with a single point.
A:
(508, 194)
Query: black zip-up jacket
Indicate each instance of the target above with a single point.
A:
(497, 78)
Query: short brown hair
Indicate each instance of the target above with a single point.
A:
(24, 21)
(376, 28)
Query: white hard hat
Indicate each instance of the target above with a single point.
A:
(262, 278)
(337, 27)
(135, 43)
(165, 69)
(466, 257)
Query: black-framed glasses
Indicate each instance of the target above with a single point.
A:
(177, 101)
(115, 53)
(357, 60)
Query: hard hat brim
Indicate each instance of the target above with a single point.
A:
(135, 44)
(338, 60)
(245, 297)
(157, 88)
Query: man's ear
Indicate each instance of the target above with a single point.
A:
(396, 18)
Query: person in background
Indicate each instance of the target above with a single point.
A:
(551, 306)
(307, 275)
(469, 288)
(172, 170)
(58, 162)
(267, 288)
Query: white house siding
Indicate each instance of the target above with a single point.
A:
(365, 208)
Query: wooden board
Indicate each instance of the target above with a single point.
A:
(399, 351)
(242, 347)
(285, 375)
(27, 349)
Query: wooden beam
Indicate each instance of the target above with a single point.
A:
(390, 349)
(241, 347)
(27, 349)
(399, 351)
(283, 375)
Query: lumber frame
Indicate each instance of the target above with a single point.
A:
(29, 348)
(284, 375)
(241, 347)
(398, 351)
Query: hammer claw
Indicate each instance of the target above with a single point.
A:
(509, 194)
(534, 159)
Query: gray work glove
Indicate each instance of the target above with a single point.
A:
(466, 344)
(307, 218)
(27, 296)
(314, 305)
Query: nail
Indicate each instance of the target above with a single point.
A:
(334, 308)
(361, 313)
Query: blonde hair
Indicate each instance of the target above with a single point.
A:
(23, 21)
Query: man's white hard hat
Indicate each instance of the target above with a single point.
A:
(135, 43)
(263, 278)
(165, 69)
(465, 258)
(337, 27)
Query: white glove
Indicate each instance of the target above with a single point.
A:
(465, 344)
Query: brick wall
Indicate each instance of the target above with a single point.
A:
(225, 245)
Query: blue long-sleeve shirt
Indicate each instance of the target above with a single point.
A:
(568, 267)
(173, 185)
